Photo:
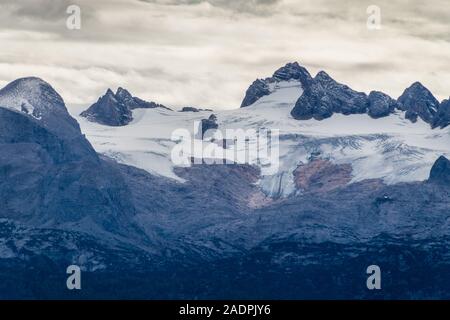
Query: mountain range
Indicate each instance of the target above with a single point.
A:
(323, 96)
(363, 180)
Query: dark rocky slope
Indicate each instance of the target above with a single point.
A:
(116, 109)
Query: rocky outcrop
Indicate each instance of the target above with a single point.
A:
(208, 124)
(419, 102)
(381, 105)
(323, 96)
(132, 103)
(116, 109)
(257, 90)
(192, 109)
(261, 87)
(440, 173)
(292, 71)
(109, 110)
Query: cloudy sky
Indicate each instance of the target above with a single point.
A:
(207, 52)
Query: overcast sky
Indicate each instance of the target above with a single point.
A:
(207, 52)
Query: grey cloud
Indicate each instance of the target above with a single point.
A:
(39, 9)
(43, 16)
(180, 53)
(250, 6)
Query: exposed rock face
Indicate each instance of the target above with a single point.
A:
(323, 96)
(440, 172)
(258, 89)
(320, 176)
(132, 103)
(189, 109)
(208, 124)
(419, 102)
(381, 105)
(261, 87)
(109, 110)
(116, 109)
(292, 71)
(442, 118)
(192, 109)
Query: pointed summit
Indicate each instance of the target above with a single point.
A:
(418, 102)
(292, 71)
(30, 93)
(323, 77)
(116, 109)
(108, 110)
(123, 94)
(263, 87)
(36, 100)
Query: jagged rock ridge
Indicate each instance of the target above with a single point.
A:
(323, 96)
(116, 109)
(261, 87)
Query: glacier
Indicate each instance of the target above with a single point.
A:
(390, 148)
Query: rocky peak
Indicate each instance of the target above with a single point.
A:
(292, 71)
(418, 102)
(32, 113)
(109, 110)
(324, 78)
(36, 99)
(31, 92)
(261, 87)
(381, 105)
(116, 109)
(323, 96)
(123, 94)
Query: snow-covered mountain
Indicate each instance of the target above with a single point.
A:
(372, 133)
(353, 189)
(51, 176)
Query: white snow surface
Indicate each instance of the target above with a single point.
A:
(390, 148)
